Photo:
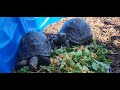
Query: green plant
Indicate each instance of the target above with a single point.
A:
(78, 59)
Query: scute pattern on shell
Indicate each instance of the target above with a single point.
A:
(77, 30)
(34, 43)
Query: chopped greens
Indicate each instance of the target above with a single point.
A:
(77, 59)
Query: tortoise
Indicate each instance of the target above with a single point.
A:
(34, 50)
(75, 31)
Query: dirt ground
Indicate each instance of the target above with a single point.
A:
(106, 31)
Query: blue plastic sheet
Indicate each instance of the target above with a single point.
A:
(11, 31)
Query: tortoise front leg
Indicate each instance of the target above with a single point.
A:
(67, 43)
(44, 60)
(33, 63)
(21, 64)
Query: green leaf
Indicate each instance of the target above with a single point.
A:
(24, 69)
(87, 51)
(95, 66)
(85, 68)
(69, 50)
(79, 53)
(73, 53)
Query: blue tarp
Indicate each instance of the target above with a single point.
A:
(11, 31)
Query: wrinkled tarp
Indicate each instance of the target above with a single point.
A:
(11, 31)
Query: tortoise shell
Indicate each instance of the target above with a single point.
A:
(77, 30)
(34, 43)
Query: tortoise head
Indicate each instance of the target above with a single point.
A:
(58, 40)
(62, 37)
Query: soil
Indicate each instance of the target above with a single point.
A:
(106, 30)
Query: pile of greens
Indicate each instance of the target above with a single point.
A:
(77, 59)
